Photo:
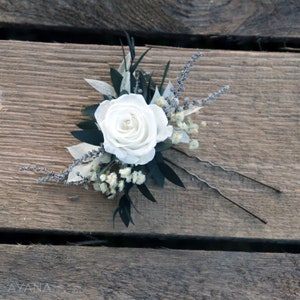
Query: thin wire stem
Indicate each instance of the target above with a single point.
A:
(226, 170)
(216, 190)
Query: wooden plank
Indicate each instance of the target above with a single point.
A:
(48, 272)
(277, 18)
(253, 129)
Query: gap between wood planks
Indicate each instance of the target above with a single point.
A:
(132, 240)
(82, 36)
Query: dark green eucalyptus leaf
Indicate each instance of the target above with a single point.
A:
(144, 85)
(164, 77)
(162, 146)
(130, 41)
(150, 81)
(169, 173)
(125, 209)
(88, 124)
(128, 186)
(90, 136)
(150, 92)
(159, 157)
(134, 66)
(155, 172)
(132, 83)
(116, 79)
(146, 192)
(90, 110)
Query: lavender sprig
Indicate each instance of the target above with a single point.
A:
(215, 95)
(184, 74)
(61, 177)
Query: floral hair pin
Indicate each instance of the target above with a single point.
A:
(124, 139)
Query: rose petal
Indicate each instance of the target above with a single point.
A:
(164, 130)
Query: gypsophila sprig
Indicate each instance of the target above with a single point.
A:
(123, 138)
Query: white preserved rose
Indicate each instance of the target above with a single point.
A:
(132, 128)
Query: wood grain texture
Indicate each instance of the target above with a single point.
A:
(253, 129)
(277, 18)
(48, 272)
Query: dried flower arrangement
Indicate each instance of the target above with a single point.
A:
(125, 136)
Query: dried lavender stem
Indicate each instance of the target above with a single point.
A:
(215, 95)
(61, 177)
(184, 74)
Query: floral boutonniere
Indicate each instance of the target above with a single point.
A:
(123, 139)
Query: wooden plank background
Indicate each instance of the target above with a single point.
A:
(253, 129)
(47, 272)
(263, 18)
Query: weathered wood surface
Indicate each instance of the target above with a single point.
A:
(48, 272)
(277, 18)
(253, 129)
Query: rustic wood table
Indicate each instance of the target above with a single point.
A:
(191, 244)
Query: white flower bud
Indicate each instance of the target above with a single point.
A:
(103, 177)
(101, 187)
(125, 172)
(112, 193)
(121, 185)
(94, 176)
(161, 101)
(203, 124)
(96, 186)
(177, 117)
(111, 179)
(176, 137)
(193, 128)
(138, 177)
(182, 125)
(194, 144)
(180, 116)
